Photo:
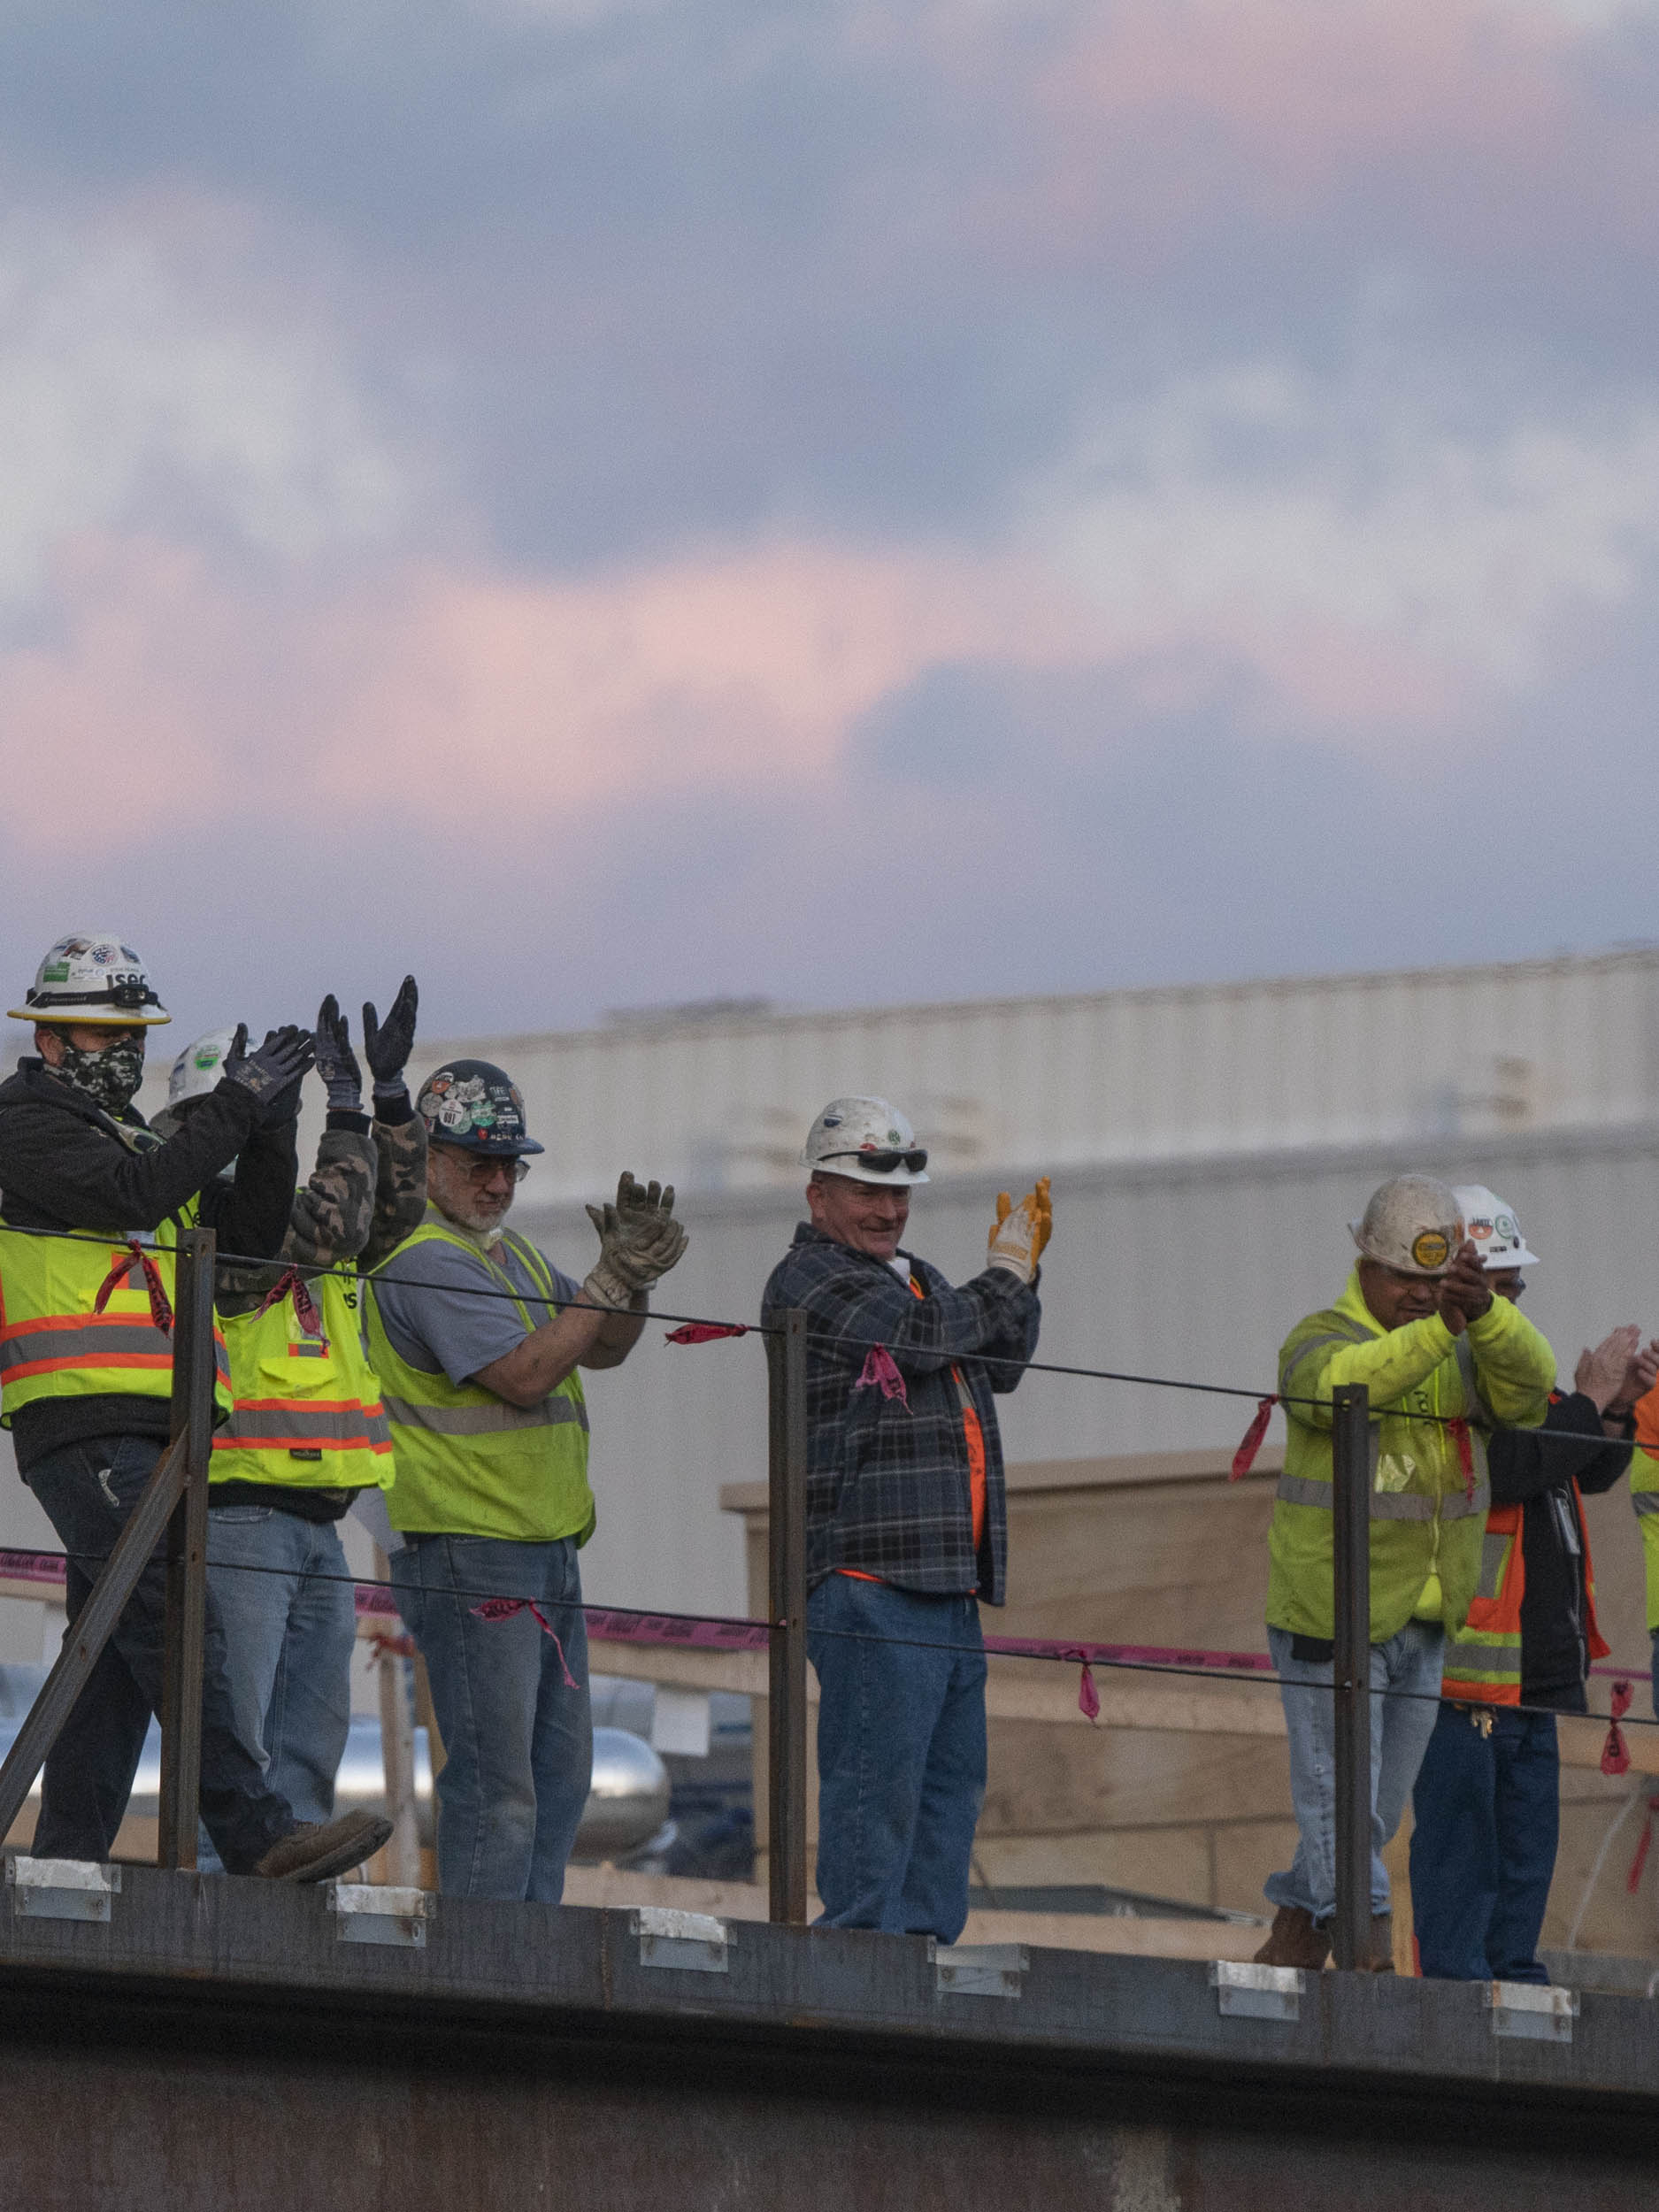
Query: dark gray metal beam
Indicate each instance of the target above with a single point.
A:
(787, 1731)
(192, 1425)
(218, 2045)
(1350, 1439)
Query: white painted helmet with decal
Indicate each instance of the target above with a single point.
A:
(1412, 1224)
(867, 1140)
(91, 980)
(1492, 1225)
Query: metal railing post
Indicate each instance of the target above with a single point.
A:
(397, 1757)
(187, 1552)
(786, 1778)
(1350, 1439)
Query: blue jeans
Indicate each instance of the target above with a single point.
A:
(1400, 1727)
(901, 1755)
(1483, 1851)
(517, 1740)
(284, 1594)
(87, 1490)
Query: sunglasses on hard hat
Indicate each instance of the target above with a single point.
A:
(884, 1163)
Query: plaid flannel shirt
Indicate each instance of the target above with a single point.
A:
(887, 1484)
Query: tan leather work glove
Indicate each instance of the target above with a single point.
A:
(639, 1241)
(1019, 1233)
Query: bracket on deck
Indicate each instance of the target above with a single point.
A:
(696, 1941)
(977, 1969)
(61, 1889)
(1245, 1991)
(1533, 2010)
(374, 1912)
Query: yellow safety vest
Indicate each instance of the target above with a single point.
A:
(307, 1409)
(1426, 1517)
(467, 1462)
(53, 1342)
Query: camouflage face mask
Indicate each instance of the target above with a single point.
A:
(109, 1076)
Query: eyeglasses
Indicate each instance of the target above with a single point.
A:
(478, 1171)
(883, 1162)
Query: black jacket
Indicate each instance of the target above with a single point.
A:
(65, 1165)
(1537, 1475)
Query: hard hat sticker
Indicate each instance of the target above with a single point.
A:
(1431, 1248)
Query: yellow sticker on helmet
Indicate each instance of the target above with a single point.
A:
(1431, 1248)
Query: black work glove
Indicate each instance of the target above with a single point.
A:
(336, 1062)
(388, 1044)
(274, 1074)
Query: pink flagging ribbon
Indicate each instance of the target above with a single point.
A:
(1087, 1695)
(1250, 1442)
(880, 1373)
(705, 1332)
(135, 1255)
(1615, 1751)
(290, 1281)
(1460, 1435)
(505, 1608)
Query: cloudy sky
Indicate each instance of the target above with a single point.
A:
(614, 501)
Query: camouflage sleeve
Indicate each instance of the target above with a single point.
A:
(400, 1197)
(328, 1224)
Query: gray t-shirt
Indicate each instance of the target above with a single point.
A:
(427, 1296)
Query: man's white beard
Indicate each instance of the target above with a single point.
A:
(485, 1239)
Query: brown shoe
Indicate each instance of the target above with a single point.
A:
(1295, 1939)
(1382, 1944)
(317, 1849)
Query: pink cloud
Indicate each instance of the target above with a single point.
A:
(171, 699)
(1137, 126)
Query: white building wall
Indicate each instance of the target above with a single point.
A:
(721, 1103)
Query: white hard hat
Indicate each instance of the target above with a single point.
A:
(91, 977)
(1413, 1225)
(1496, 1232)
(867, 1140)
(199, 1068)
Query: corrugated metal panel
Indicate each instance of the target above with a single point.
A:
(722, 1104)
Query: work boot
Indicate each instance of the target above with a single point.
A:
(1295, 1939)
(320, 1848)
(1382, 1944)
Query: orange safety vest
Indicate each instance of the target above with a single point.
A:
(1482, 1660)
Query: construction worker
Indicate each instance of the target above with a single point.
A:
(1486, 1802)
(906, 1530)
(86, 1367)
(307, 1432)
(1644, 1495)
(477, 1340)
(1419, 1325)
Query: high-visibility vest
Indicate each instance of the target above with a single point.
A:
(54, 1343)
(466, 1463)
(1427, 1518)
(307, 1411)
(1644, 1493)
(1483, 1658)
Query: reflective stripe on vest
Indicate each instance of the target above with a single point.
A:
(1389, 1505)
(53, 1344)
(1483, 1658)
(467, 1462)
(308, 1412)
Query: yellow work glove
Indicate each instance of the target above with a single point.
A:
(1019, 1233)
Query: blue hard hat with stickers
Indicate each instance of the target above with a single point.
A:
(476, 1105)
